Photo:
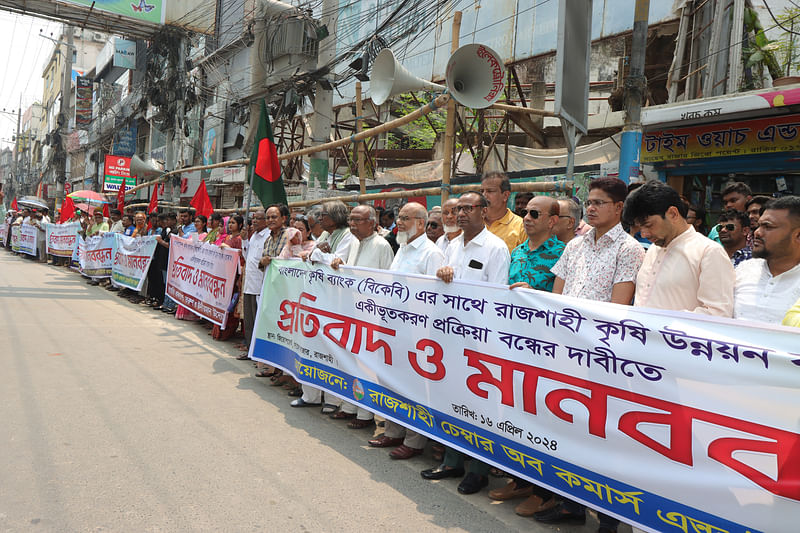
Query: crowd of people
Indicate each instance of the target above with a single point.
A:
(641, 245)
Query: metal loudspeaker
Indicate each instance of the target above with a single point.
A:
(389, 78)
(475, 76)
(145, 169)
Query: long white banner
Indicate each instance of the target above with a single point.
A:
(666, 420)
(132, 258)
(3, 233)
(97, 258)
(201, 277)
(62, 238)
(15, 238)
(28, 237)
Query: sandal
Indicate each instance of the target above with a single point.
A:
(279, 379)
(341, 415)
(295, 392)
(264, 374)
(328, 409)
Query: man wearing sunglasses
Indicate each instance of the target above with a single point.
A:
(733, 230)
(532, 260)
(434, 228)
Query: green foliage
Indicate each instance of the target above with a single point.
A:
(418, 135)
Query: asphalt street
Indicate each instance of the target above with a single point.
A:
(115, 417)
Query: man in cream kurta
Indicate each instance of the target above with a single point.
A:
(373, 251)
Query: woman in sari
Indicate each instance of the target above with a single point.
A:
(232, 240)
(215, 228)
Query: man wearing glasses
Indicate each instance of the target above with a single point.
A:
(734, 232)
(434, 228)
(476, 255)
(496, 188)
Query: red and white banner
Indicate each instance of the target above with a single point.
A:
(98, 258)
(200, 277)
(3, 233)
(28, 238)
(62, 238)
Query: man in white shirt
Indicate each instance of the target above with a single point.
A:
(769, 284)
(373, 251)
(253, 276)
(116, 218)
(417, 255)
(476, 255)
(451, 229)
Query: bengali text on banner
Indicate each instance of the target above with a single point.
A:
(28, 239)
(201, 276)
(668, 420)
(132, 257)
(15, 238)
(97, 257)
(62, 238)
(4, 233)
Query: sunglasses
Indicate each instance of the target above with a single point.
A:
(726, 227)
(533, 212)
(466, 208)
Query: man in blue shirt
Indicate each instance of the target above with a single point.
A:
(187, 223)
(531, 261)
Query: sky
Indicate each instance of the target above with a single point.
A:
(23, 56)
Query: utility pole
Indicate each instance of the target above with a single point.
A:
(323, 96)
(176, 132)
(66, 97)
(635, 88)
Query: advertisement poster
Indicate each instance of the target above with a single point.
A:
(117, 169)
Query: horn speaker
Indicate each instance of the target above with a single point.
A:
(144, 169)
(475, 76)
(390, 78)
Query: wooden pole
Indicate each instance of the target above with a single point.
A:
(362, 178)
(520, 109)
(451, 119)
(436, 104)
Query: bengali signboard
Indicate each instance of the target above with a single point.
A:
(747, 137)
(97, 258)
(132, 258)
(62, 239)
(662, 419)
(200, 277)
(83, 103)
(117, 168)
(28, 238)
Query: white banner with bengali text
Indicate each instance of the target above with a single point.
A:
(4, 233)
(132, 258)
(62, 238)
(201, 277)
(76, 261)
(15, 238)
(97, 257)
(666, 420)
(28, 238)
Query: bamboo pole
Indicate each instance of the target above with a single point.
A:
(362, 178)
(450, 127)
(436, 104)
(520, 109)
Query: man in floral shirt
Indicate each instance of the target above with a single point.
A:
(532, 260)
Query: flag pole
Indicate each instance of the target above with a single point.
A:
(249, 193)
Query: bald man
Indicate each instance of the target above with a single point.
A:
(532, 260)
(451, 229)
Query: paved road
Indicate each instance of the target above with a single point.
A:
(114, 417)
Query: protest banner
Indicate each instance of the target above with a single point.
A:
(28, 237)
(666, 420)
(3, 233)
(96, 259)
(132, 257)
(200, 277)
(62, 238)
(15, 238)
(76, 261)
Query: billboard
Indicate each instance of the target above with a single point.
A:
(83, 103)
(116, 169)
(144, 10)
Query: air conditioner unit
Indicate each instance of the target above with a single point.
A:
(294, 36)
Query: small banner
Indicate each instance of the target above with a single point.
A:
(28, 238)
(62, 239)
(666, 420)
(76, 261)
(97, 260)
(3, 233)
(132, 257)
(15, 238)
(200, 277)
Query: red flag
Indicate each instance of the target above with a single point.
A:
(121, 197)
(201, 202)
(153, 201)
(67, 210)
(105, 211)
(14, 204)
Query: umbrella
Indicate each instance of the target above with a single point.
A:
(87, 196)
(33, 202)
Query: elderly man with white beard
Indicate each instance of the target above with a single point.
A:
(417, 255)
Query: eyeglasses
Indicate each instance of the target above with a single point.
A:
(356, 220)
(467, 208)
(726, 227)
(433, 225)
(403, 218)
(597, 203)
(533, 212)
(271, 217)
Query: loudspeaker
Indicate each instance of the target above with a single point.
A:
(390, 78)
(475, 76)
(144, 169)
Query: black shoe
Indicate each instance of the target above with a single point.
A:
(440, 472)
(604, 529)
(557, 515)
(472, 483)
